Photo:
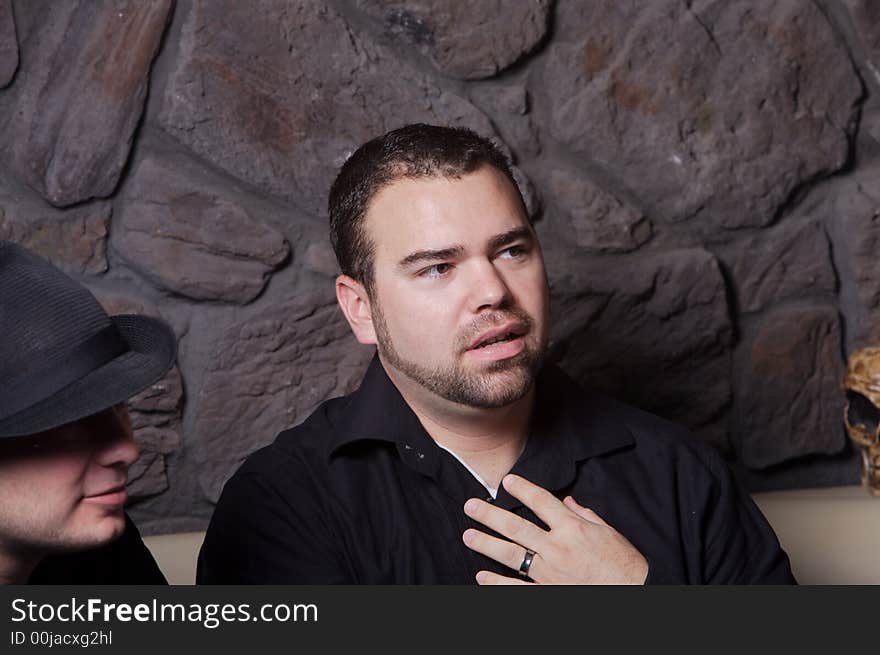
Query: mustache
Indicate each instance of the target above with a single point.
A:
(490, 320)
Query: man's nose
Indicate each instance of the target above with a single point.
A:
(118, 446)
(488, 288)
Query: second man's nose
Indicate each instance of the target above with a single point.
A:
(117, 445)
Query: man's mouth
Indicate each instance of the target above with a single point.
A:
(113, 496)
(494, 340)
(501, 334)
(501, 343)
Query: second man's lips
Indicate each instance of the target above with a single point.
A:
(107, 491)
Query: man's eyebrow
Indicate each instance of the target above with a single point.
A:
(496, 242)
(501, 240)
(431, 255)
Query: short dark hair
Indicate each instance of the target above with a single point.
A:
(413, 151)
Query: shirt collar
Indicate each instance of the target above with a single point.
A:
(569, 425)
(376, 412)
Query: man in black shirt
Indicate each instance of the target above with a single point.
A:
(65, 437)
(462, 456)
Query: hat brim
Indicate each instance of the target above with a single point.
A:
(152, 349)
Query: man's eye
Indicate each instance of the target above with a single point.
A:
(513, 252)
(437, 270)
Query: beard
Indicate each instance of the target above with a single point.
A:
(495, 385)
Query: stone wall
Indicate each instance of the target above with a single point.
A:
(704, 176)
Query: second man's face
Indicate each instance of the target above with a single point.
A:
(461, 298)
(64, 489)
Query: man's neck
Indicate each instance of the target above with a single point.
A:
(16, 567)
(489, 440)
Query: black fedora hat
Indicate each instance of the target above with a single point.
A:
(62, 357)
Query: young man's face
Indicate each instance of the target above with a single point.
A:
(64, 489)
(458, 266)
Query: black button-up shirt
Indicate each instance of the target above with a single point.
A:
(360, 494)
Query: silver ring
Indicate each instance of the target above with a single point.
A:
(526, 563)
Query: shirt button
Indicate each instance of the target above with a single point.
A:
(489, 499)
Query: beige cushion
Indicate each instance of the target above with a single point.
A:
(832, 536)
(176, 555)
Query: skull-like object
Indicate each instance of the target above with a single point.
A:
(862, 412)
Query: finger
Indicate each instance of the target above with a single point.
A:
(503, 552)
(544, 504)
(490, 578)
(515, 528)
(584, 512)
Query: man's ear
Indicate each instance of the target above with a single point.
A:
(355, 304)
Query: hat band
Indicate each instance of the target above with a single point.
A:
(39, 384)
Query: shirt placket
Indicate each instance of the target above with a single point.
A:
(456, 485)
